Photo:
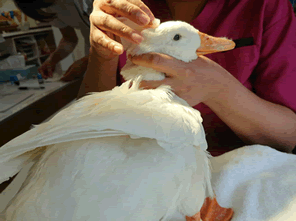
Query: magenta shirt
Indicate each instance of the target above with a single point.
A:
(267, 66)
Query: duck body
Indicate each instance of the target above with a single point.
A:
(99, 184)
(141, 166)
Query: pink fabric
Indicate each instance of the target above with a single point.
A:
(269, 66)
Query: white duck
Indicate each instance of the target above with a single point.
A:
(125, 154)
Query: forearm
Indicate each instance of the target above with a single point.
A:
(100, 75)
(81, 64)
(63, 50)
(254, 120)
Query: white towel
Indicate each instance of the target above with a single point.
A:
(257, 182)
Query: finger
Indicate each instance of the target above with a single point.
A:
(108, 23)
(154, 84)
(128, 10)
(144, 8)
(102, 43)
(160, 62)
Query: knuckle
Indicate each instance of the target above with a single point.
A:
(101, 42)
(124, 29)
(98, 41)
(104, 20)
(97, 19)
(130, 9)
(92, 17)
(145, 9)
(109, 45)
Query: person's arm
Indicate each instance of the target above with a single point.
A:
(100, 74)
(76, 70)
(105, 30)
(66, 44)
(253, 119)
(65, 47)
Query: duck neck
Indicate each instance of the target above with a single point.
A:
(185, 10)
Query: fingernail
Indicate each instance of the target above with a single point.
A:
(143, 18)
(137, 38)
(155, 23)
(151, 18)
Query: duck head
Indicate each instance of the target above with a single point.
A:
(174, 38)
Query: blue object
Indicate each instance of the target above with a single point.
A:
(40, 79)
(26, 72)
(292, 2)
(3, 14)
(11, 14)
(14, 80)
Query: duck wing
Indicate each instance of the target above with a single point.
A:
(125, 110)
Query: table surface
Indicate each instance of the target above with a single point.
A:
(30, 96)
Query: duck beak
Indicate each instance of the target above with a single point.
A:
(210, 44)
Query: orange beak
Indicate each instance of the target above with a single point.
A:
(210, 44)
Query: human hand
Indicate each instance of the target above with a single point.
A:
(47, 68)
(198, 81)
(76, 70)
(104, 25)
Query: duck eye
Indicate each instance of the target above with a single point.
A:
(177, 37)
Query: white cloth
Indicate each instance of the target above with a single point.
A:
(257, 182)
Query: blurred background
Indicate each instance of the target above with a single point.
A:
(25, 97)
(17, 37)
